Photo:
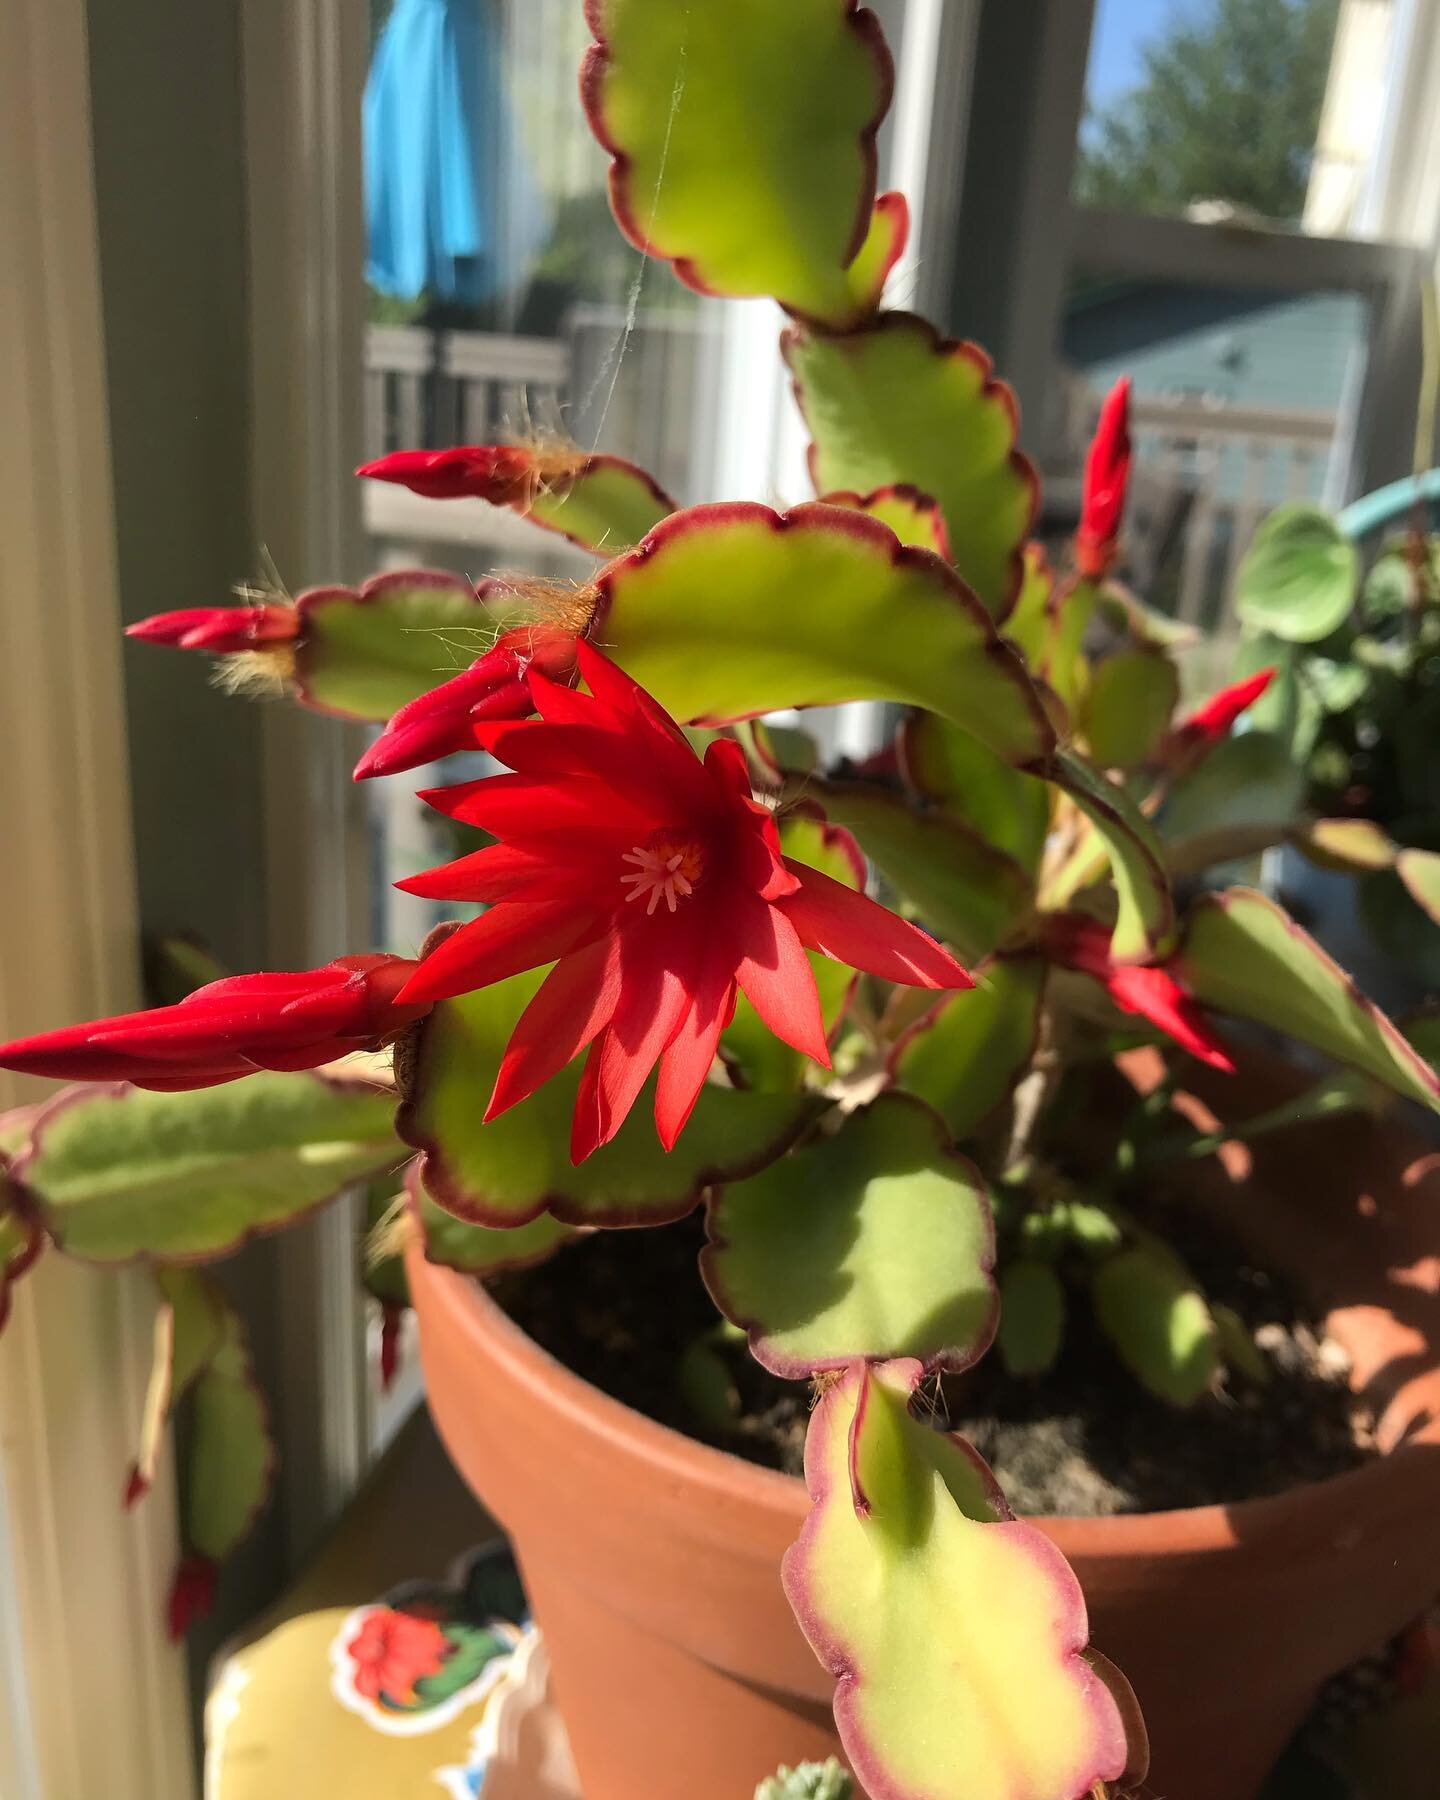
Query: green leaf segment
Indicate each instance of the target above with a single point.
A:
(922, 1594)
(1243, 954)
(734, 609)
(115, 1173)
(748, 181)
(874, 1241)
(897, 403)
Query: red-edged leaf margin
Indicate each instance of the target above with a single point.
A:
(1005, 659)
(924, 507)
(593, 72)
(1144, 932)
(886, 238)
(415, 1195)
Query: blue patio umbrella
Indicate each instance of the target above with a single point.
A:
(449, 208)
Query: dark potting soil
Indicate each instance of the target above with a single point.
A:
(623, 1308)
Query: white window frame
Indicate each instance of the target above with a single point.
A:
(92, 1698)
(304, 71)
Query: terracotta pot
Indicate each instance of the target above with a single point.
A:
(651, 1561)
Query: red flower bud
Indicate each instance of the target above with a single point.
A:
(1107, 474)
(1212, 721)
(1149, 991)
(192, 1595)
(392, 1325)
(231, 1028)
(495, 687)
(503, 474)
(222, 630)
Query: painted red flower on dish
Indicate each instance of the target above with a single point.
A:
(392, 1652)
(655, 883)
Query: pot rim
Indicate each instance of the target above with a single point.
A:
(1212, 1527)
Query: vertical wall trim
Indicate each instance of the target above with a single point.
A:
(102, 1706)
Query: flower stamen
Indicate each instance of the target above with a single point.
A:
(662, 872)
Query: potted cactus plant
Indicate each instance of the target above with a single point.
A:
(947, 1044)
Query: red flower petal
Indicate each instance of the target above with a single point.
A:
(192, 1079)
(1149, 992)
(514, 806)
(650, 780)
(575, 1001)
(686, 1060)
(536, 871)
(286, 1020)
(192, 1595)
(606, 680)
(776, 978)
(653, 1002)
(854, 930)
(310, 1057)
(392, 1324)
(444, 720)
(1155, 995)
(561, 705)
(502, 942)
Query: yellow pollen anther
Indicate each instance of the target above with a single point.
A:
(662, 873)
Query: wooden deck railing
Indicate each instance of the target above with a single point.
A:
(1206, 472)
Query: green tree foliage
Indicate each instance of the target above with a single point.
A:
(1227, 109)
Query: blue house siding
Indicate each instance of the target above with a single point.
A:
(1225, 346)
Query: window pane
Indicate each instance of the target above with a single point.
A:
(1223, 108)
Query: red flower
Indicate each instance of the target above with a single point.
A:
(1208, 724)
(495, 687)
(231, 1028)
(392, 1651)
(1148, 991)
(1107, 474)
(657, 881)
(221, 630)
